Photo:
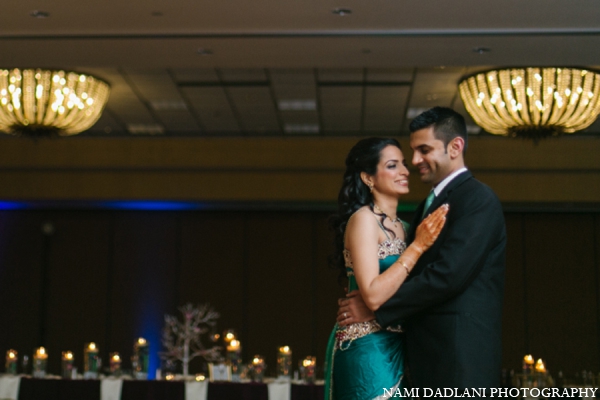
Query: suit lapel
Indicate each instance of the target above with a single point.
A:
(438, 201)
(456, 182)
(415, 222)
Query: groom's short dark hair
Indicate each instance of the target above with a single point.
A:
(447, 124)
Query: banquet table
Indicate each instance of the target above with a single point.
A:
(62, 389)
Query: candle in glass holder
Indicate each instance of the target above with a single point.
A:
(308, 369)
(141, 352)
(67, 361)
(234, 358)
(540, 367)
(528, 364)
(12, 358)
(258, 367)
(200, 377)
(90, 361)
(284, 362)
(114, 363)
(40, 362)
(229, 335)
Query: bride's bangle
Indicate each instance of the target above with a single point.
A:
(405, 267)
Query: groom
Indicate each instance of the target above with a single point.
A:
(451, 305)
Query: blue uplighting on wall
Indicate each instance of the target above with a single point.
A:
(151, 331)
(151, 205)
(13, 205)
(143, 205)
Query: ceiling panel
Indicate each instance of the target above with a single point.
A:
(397, 75)
(178, 121)
(385, 108)
(292, 76)
(233, 75)
(157, 89)
(124, 104)
(295, 93)
(340, 75)
(212, 107)
(107, 125)
(341, 108)
(435, 87)
(255, 108)
(293, 84)
(152, 84)
(195, 75)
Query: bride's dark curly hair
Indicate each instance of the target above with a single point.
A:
(363, 157)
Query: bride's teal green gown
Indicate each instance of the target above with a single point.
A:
(364, 359)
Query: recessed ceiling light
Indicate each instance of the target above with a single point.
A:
(40, 14)
(301, 128)
(481, 50)
(205, 52)
(431, 96)
(297, 105)
(341, 11)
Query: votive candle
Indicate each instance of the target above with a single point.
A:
(234, 357)
(309, 368)
(284, 362)
(90, 361)
(258, 368)
(67, 360)
(12, 359)
(229, 335)
(540, 367)
(114, 363)
(141, 352)
(40, 362)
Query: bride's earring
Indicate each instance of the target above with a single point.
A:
(370, 185)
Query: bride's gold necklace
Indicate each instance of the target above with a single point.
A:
(394, 220)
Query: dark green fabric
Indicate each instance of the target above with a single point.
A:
(366, 365)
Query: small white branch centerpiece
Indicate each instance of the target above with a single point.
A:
(183, 339)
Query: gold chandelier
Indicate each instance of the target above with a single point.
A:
(532, 102)
(40, 102)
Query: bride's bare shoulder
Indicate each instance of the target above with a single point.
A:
(362, 218)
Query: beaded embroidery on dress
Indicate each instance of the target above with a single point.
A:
(345, 336)
(389, 247)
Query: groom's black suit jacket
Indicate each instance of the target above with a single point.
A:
(451, 304)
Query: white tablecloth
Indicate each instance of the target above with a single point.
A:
(196, 390)
(280, 390)
(110, 389)
(9, 387)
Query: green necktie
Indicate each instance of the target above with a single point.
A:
(428, 202)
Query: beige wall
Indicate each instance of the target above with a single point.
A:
(303, 169)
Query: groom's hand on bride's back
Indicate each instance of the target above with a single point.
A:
(352, 309)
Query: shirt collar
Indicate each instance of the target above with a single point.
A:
(440, 186)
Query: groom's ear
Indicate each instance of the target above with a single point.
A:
(456, 147)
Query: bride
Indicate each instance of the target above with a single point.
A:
(362, 358)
